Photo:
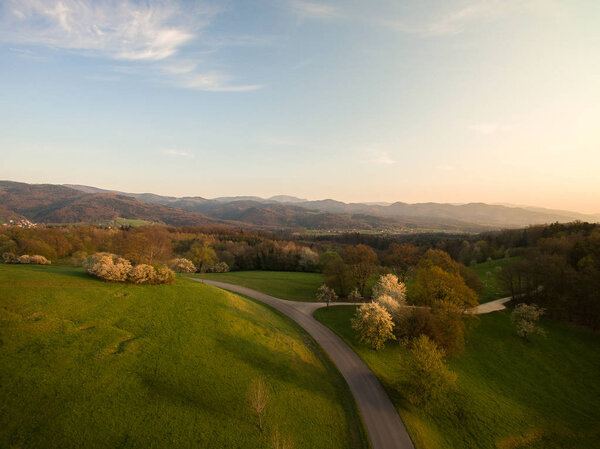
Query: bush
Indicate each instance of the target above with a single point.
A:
(10, 258)
(373, 324)
(141, 274)
(78, 258)
(111, 267)
(38, 260)
(163, 275)
(108, 267)
(355, 296)
(25, 259)
(220, 267)
(183, 265)
(429, 379)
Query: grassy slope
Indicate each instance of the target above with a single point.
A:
(295, 286)
(488, 273)
(85, 363)
(538, 394)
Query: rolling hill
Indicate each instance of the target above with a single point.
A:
(69, 203)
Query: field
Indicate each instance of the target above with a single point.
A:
(294, 286)
(488, 273)
(85, 363)
(511, 393)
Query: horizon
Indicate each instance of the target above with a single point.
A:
(270, 196)
(447, 102)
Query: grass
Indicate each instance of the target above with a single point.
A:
(295, 286)
(488, 273)
(84, 363)
(511, 393)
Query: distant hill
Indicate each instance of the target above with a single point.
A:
(70, 203)
(47, 203)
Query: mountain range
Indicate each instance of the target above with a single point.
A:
(59, 204)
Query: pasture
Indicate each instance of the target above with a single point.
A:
(292, 285)
(511, 393)
(85, 363)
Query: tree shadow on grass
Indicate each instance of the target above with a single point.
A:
(283, 366)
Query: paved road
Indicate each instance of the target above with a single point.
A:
(384, 427)
(491, 306)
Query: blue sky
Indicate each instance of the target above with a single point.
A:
(448, 101)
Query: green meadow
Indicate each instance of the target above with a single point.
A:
(489, 272)
(511, 393)
(85, 363)
(295, 286)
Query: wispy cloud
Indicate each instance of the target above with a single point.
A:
(152, 32)
(453, 19)
(115, 29)
(312, 10)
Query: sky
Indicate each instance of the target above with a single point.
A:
(455, 101)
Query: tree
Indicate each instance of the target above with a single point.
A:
(401, 256)
(433, 286)
(202, 255)
(388, 285)
(362, 261)
(524, 318)
(259, 398)
(326, 294)
(373, 324)
(339, 276)
(429, 378)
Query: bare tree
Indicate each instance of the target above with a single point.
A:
(259, 397)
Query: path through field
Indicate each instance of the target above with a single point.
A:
(384, 426)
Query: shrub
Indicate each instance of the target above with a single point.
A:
(141, 274)
(111, 267)
(108, 267)
(10, 258)
(183, 265)
(355, 296)
(78, 258)
(373, 324)
(220, 267)
(163, 275)
(25, 259)
(429, 379)
(39, 260)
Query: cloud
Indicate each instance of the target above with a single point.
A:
(311, 10)
(430, 22)
(146, 36)
(116, 29)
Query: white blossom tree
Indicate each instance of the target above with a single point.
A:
(373, 324)
(525, 317)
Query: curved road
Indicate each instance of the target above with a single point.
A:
(384, 427)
